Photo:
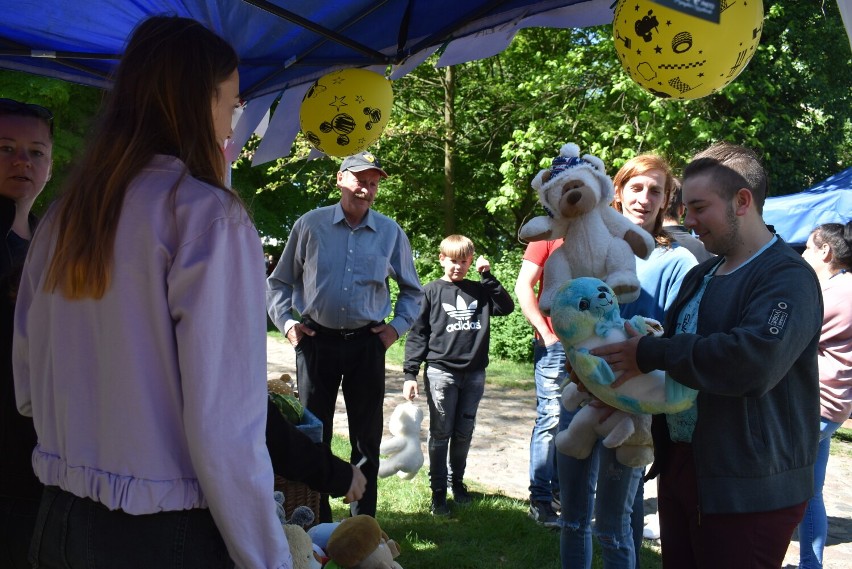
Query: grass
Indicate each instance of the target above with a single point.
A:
(493, 531)
(841, 443)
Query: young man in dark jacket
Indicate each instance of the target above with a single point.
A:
(736, 470)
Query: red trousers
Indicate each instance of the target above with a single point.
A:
(693, 539)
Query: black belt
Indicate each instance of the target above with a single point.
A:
(344, 333)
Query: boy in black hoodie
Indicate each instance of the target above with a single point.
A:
(451, 336)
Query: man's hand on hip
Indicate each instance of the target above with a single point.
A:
(297, 332)
(386, 333)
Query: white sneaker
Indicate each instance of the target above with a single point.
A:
(652, 527)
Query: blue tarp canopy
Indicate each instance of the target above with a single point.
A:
(284, 45)
(794, 216)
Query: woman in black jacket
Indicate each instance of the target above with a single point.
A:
(26, 142)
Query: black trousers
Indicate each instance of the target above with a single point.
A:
(326, 361)
(73, 532)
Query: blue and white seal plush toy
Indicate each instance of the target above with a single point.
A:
(585, 315)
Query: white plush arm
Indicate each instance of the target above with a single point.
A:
(641, 242)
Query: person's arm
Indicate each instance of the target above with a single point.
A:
(528, 277)
(410, 296)
(26, 291)
(416, 347)
(281, 284)
(500, 299)
(296, 457)
(215, 292)
(780, 317)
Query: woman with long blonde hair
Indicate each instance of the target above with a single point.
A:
(140, 347)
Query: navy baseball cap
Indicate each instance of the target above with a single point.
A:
(362, 161)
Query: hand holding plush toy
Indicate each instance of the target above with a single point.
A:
(402, 454)
(599, 242)
(585, 315)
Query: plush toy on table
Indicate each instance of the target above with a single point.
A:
(599, 242)
(585, 315)
(302, 549)
(402, 454)
(359, 543)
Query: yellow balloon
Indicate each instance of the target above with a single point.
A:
(345, 111)
(680, 56)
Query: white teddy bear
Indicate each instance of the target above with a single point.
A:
(599, 241)
(402, 454)
(628, 434)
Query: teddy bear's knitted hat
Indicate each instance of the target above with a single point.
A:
(353, 540)
(561, 167)
(569, 157)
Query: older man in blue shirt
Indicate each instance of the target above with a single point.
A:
(329, 295)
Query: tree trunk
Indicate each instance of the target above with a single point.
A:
(449, 150)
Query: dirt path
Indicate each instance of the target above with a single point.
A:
(499, 455)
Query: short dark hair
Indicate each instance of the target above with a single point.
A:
(733, 167)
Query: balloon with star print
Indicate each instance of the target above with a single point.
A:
(346, 111)
(677, 55)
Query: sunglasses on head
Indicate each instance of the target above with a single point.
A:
(13, 107)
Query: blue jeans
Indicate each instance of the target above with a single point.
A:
(601, 484)
(453, 401)
(550, 371)
(813, 529)
(77, 533)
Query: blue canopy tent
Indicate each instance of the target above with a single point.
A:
(794, 216)
(284, 45)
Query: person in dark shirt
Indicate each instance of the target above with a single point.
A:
(737, 468)
(26, 142)
(296, 457)
(451, 336)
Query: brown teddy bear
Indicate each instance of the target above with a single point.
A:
(359, 543)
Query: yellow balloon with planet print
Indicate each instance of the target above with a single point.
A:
(680, 56)
(346, 111)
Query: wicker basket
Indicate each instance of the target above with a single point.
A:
(298, 494)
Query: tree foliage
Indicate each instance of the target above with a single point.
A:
(513, 111)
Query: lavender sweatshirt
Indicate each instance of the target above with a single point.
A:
(153, 398)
